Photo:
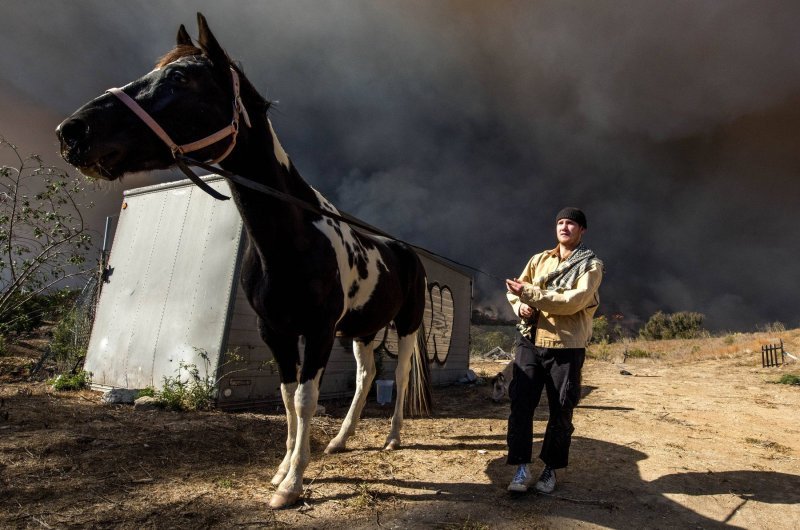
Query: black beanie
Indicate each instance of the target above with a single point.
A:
(573, 214)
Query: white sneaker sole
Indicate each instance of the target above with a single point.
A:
(518, 488)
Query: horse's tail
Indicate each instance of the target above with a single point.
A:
(418, 398)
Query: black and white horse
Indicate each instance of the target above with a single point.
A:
(305, 274)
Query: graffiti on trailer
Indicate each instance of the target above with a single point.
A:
(437, 326)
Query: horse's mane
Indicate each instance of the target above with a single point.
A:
(181, 50)
(185, 50)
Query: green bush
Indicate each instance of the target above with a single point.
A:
(77, 381)
(43, 237)
(30, 312)
(486, 338)
(68, 343)
(637, 353)
(24, 317)
(194, 393)
(146, 392)
(189, 390)
(789, 379)
(681, 325)
(600, 330)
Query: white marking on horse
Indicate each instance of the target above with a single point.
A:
(280, 154)
(357, 290)
(305, 396)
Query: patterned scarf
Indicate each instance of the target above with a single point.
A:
(566, 274)
(564, 277)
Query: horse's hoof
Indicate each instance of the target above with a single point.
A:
(335, 448)
(278, 478)
(392, 445)
(283, 499)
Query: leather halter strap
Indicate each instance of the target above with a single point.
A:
(231, 130)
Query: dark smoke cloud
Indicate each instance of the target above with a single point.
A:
(464, 126)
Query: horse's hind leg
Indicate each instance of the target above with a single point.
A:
(401, 375)
(365, 373)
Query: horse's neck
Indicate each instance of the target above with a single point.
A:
(273, 225)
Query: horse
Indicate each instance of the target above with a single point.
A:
(308, 275)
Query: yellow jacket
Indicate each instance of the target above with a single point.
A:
(566, 316)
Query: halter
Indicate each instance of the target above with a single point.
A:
(179, 151)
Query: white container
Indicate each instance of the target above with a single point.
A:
(384, 388)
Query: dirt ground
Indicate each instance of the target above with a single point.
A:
(700, 438)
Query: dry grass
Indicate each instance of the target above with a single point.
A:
(730, 346)
(768, 444)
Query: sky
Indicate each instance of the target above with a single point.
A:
(465, 126)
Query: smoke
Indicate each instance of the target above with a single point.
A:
(465, 126)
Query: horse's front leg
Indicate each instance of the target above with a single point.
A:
(401, 375)
(365, 373)
(287, 356)
(288, 391)
(305, 405)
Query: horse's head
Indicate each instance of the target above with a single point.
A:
(190, 95)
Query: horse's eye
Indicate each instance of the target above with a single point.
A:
(178, 77)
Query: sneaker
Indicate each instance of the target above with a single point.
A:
(521, 481)
(547, 481)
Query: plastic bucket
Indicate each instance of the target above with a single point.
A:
(384, 388)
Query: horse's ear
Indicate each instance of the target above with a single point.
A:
(208, 43)
(183, 37)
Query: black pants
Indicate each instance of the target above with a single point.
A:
(559, 371)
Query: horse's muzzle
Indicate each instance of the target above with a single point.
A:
(74, 135)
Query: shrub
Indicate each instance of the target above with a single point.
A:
(43, 237)
(146, 392)
(789, 379)
(600, 330)
(772, 327)
(77, 381)
(68, 343)
(28, 313)
(188, 389)
(599, 351)
(681, 325)
(196, 392)
(482, 341)
(637, 353)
